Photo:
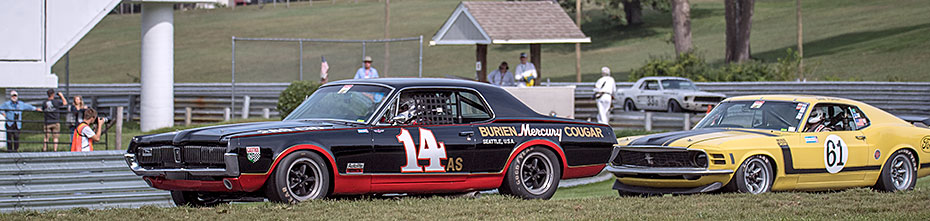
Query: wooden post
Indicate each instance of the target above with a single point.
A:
(481, 57)
(187, 116)
(119, 127)
(800, 45)
(687, 121)
(578, 45)
(227, 114)
(266, 113)
(246, 102)
(536, 58)
(648, 123)
(386, 65)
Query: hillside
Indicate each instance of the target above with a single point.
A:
(845, 40)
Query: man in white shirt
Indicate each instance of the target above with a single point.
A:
(525, 73)
(502, 76)
(366, 72)
(603, 93)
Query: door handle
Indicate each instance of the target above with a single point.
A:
(860, 137)
(466, 133)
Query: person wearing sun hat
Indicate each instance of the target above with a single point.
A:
(12, 111)
(366, 71)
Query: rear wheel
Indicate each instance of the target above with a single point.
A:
(754, 176)
(899, 173)
(194, 199)
(628, 105)
(533, 174)
(300, 176)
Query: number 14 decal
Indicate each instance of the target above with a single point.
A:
(429, 150)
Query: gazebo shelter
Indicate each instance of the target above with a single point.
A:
(525, 22)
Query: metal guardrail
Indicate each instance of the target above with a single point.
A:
(209, 100)
(63, 180)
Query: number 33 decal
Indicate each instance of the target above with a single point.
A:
(429, 150)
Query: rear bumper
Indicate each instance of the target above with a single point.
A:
(231, 160)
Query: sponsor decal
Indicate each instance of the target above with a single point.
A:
(782, 142)
(528, 131)
(583, 132)
(791, 129)
(454, 164)
(810, 139)
(878, 154)
(344, 89)
(355, 168)
(363, 131)
(757, 104)
(835, 153)
(430, 149)
(497, 141)
(925, 144)
(253, 153)
(860, 122)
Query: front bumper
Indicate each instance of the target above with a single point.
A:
(625, 170)
(231, 160)
(651, 190)
(697, 106)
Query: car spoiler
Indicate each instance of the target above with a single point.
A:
(915, 119)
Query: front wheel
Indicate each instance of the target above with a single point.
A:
(194, 199)
(754, 176)
(300, 176)
(533, 174)
(673, 106)
(898, 174)
(628, 105)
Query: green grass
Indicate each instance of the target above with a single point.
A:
(590, 202)
(857, 40)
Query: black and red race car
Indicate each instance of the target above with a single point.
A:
(352, 137)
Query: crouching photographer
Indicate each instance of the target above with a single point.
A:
(84, 137)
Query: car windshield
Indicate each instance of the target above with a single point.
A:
(759, 114)
(355, 103)
(678, 85)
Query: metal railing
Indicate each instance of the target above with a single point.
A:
(63, 180)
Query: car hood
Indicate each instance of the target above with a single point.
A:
(705, 137)
(697, 93)
(214, 134)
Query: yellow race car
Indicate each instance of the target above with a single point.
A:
(757, 144)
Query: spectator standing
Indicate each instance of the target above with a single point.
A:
(366, 72)
(52, 117)
(76, 115)
(603, 93)
(502, 76)
(84, 136)
(525, 73)
(13, 112)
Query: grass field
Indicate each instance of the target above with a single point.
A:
(844, 40)
(590, 202)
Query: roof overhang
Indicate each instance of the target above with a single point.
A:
(439, 37)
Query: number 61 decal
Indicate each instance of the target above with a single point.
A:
(429, 150)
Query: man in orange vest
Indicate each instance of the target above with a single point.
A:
(84, 137)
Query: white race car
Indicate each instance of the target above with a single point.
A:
(672, 94)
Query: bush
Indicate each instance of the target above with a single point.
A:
(294, 95)
(688, 65)
(693, 66)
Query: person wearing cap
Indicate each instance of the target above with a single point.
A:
(12, 111)
(525, 73)
(366, 72)
(502, 76)
(603, 93)
(52, 118)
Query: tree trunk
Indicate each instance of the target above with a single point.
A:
(739, 23)
(681, 19)
(633, 10)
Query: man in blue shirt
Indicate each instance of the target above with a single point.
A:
(366, 72)
(12, 111)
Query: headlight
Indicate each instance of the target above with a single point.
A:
(699, 160)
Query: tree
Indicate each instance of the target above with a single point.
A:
(681, 22)
(633, 10)
(738, 17)
(629, 12)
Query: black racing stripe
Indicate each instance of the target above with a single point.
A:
(666, 138)
(789, 164)
(924, 166)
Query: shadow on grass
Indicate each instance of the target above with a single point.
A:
(835, 44)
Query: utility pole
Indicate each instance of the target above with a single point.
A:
(800, 44)
(578, 45)
(387, 35)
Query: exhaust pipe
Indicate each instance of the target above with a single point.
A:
(227, 184)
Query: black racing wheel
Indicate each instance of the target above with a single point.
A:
(195, 199)
(301, 176)
(533, 174)
(754, 176)
(899, 173)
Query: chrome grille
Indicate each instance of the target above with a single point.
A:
(661, 158)
(181, 156)
(708, 99)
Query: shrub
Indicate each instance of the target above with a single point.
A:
(693, 66)
(688, 65)
(294, 95)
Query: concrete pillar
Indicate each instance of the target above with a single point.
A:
(157, 108)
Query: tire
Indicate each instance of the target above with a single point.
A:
(899, 173)
(628, 105)
(754, 176)
(300, 176)
(194, 199)
(673, 106)
(533, 174)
